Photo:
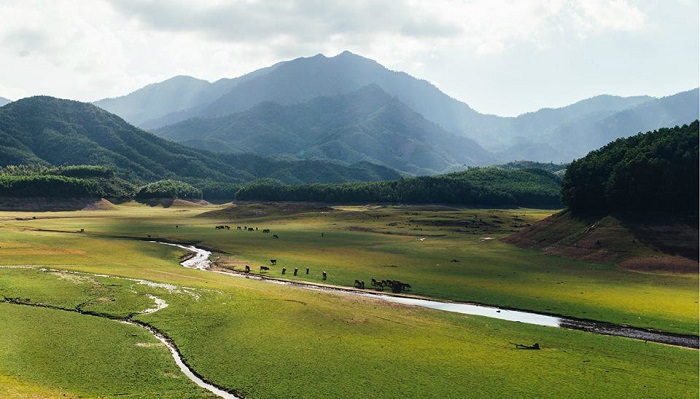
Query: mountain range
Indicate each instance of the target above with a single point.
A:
(364, 125)
(53, 132)
(4, 101)
(301, 88)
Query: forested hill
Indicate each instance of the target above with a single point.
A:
(365, 125)
(476, 186)
(52, 132)
(650, 172)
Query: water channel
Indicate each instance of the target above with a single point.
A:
(200, 261)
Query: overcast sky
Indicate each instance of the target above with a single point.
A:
(503, 57)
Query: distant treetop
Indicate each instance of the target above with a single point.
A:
(650, 172)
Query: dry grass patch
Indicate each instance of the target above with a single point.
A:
(664, 264)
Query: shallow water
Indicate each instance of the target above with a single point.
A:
(202, 262)
(183, 367)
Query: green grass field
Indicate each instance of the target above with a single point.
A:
(270, 341)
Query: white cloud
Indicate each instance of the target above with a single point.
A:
(595, 16)
(92, 49)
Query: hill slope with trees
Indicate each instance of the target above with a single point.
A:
(476, 186)
(650, 172)
(52, 132)
(634, 201)
(365, 125)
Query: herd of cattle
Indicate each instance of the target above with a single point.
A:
(394, 285)
(246, 228)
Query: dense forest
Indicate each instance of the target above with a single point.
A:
(651, 172)
(79, 181)
(476, 186)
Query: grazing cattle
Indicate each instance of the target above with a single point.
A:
(82, 230)
(284, 270)
(359, 284)
(238, 227)
(273, 261)
(250, 229)
(296, 271)
(307, 270)
(325, 275)
(247, 269)
(374, 282)
(256, 229)
(228, 227)
(275, 236)
(264, 268)
(266, 230)
(177, 226)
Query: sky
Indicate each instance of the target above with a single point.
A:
(502, 57)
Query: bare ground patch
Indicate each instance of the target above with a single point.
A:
(670, 264)
(613, 238)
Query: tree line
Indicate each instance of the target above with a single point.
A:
(478, 186)
(651, 172)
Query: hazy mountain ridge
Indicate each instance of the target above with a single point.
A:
(365, 125)
(48, 131)
(536, 135)
(675, 110)
(4, 101)
(172, 100)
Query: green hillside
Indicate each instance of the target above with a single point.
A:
(476, 186)
(650, 172)
(48, 132)
(634, 202)
(366, 125)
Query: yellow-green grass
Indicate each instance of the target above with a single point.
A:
(271, 341)
(52, 353)
(444, 253)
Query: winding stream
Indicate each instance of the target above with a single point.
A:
(183, 367)
(201, 261)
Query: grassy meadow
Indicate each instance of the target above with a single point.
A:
(271, 341)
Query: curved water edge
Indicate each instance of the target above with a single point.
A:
(159, 304)
(181, 364)
(201, 261)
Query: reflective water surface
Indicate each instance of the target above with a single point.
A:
(201, 261)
